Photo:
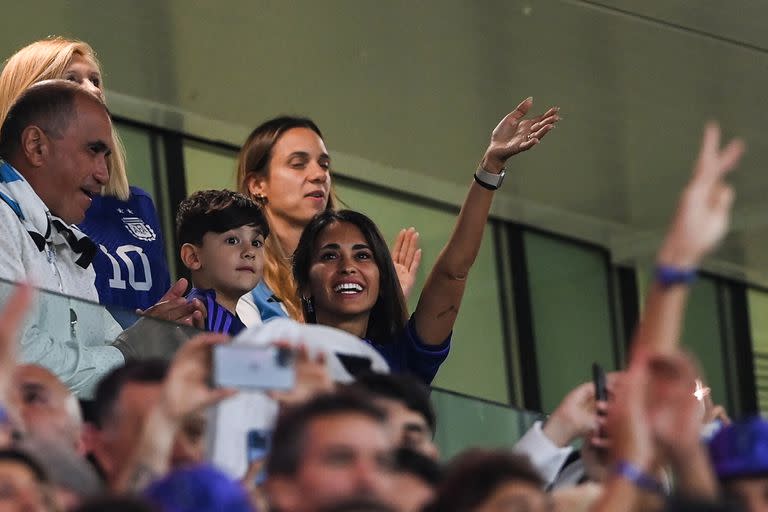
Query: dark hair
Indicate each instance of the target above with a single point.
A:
(358, 504)
(403, 388)
(216, 211)
(408, 460)
(473, 476)
(25, 459)
(253, 160)
(50, 105)
(117, 504)
(109, 388)
(289, 437)
(388, 316)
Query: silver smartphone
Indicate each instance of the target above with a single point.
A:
(253, 367)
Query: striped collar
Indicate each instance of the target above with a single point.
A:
(43, 227)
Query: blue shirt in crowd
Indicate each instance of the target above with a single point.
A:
(219, 318)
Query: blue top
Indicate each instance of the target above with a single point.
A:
(130, 265)
(219, 318)
(267, 303)
(406, 354)
(409, 354)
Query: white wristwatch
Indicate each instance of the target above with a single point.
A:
(489, 180)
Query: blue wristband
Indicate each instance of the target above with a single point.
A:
(670, 276)
(638, 477)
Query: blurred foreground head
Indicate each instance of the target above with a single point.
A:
(739, 455)
(332, 448)
(489, 480)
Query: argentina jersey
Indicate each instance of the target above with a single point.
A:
(130, 265)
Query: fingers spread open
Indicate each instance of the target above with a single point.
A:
(521, 109)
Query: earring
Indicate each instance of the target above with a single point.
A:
(261, 198)
(309, 306)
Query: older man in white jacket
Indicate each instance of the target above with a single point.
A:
(54, 143)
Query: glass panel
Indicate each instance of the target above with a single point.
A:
(702, 334)
(480, 309)
(138, 150)
(208, 167)
(72, 337)
(571, 312)
(758, 319)
(464, 422)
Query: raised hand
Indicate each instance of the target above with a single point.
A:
(675, 413)
(703, 213)
(575, 417)
(11, 319)
(312, 377)
(515, 134)
(406, 255)
(627, 423)
(186, 388)
(173, 307)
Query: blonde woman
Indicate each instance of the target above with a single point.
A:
(130, 265)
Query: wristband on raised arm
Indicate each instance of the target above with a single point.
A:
(668, 276)
(638, 477)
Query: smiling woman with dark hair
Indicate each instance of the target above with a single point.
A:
(346, 277)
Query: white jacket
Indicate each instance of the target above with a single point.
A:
(68, 336)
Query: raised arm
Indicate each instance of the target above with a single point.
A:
(440, 299)
(699, 225)
(185, 391)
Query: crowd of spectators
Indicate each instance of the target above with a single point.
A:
(292, 377)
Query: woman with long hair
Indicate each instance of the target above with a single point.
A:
(346, 278)
(285, 167)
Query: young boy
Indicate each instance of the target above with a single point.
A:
(221, 234)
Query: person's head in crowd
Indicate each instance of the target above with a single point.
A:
(122, 401)
(49, 410)
(221, 234)
(739, 454)
(59, 137)
(117, 504)
(346, 278)
(416, 479)
(198, 489)
(486, 481)
(24, 484)
(410, 415)
(67, 59)
(284, 166)
(576, 498)
(72, 479)
(330, 448)
(360, 505)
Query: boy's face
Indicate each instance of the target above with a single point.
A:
(231, 262)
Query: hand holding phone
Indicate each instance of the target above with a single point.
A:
(598, 377)
(253, 367)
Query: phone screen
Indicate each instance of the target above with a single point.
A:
(253, 367)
